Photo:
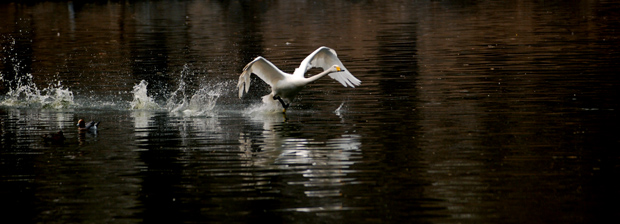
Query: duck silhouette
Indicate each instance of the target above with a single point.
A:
(90, 126)
(57, 138)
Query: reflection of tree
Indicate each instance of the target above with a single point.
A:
(160, 152)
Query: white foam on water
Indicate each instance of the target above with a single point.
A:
(141, 100)
(26, 94)
(201, 103)
(179, 103)
(266, 107)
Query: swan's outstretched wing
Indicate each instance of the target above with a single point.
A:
(264, 69)
(325, 57)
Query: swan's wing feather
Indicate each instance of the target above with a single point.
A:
(264, 69)
(325, 57)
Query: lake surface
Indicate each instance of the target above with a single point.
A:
(468, 112)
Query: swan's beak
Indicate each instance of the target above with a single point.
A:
(339, 69)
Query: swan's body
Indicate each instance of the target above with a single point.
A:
(284, 86)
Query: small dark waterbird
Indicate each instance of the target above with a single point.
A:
(285, 86)
(56, 138)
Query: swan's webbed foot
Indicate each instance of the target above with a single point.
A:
(285, 105)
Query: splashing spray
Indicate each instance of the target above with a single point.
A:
(141, 101)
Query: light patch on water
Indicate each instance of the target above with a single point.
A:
(141, 120)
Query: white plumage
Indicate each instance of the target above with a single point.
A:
(284, 86)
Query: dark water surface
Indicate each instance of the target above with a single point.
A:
(468, 112)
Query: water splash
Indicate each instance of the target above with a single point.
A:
(201, 103)
(177, 99)
(23, 92)
(27, 94)
(141, 101)
(267, 106)
(57, 97)
(340, 110)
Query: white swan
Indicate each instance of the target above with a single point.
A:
(284, 86)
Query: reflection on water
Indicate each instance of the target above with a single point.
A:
(469, 112)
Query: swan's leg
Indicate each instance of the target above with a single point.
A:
(282, 102)
(284, 116)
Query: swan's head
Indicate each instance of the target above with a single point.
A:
(336, 68)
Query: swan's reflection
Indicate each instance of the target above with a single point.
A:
(324, 164)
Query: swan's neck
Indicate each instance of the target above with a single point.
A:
(318, 76)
